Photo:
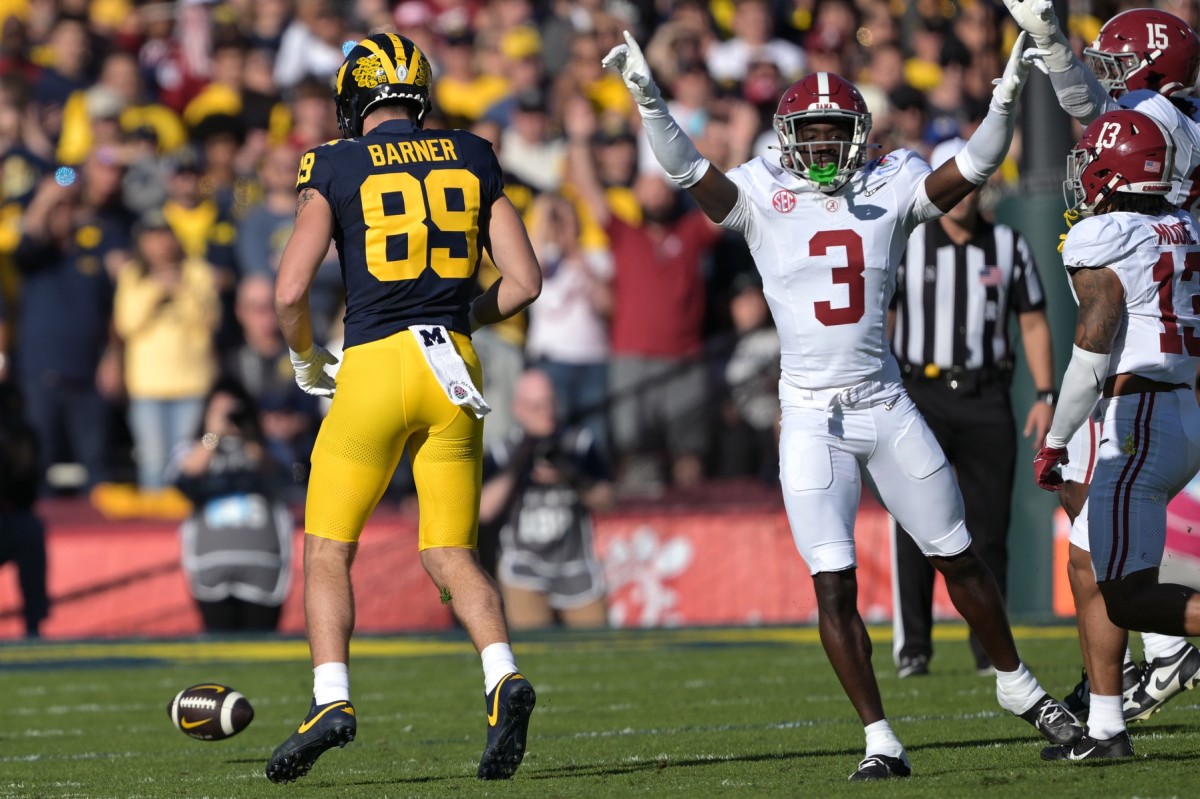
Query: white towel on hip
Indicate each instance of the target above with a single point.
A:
(449, 368)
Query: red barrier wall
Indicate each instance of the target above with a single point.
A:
(674, 567)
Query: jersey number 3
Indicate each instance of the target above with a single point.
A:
(400, 210)
(851, 275)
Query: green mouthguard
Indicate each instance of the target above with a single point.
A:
(823, 175)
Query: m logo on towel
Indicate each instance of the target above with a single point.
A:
(431, 336)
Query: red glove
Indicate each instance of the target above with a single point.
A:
(1043, 467)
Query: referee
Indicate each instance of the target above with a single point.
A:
(961, 278)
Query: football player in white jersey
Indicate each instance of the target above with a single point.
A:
(1134, 262)
(827, 225)
(1144, 59)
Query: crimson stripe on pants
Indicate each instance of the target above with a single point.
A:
(1142, 443)
(1116, 509)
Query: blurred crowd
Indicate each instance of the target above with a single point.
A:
(148, 153)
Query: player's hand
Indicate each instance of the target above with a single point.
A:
(1036, 17)
(310, 371)
(1043, 467)
(1009, 85)
(1037, 423)
(628, 60)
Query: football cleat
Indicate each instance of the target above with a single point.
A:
(915, 666)
(1056, 724)
(1088, 747)
(882, 767)
(1162, 679)
(508, 707)
(1077, 701)
(326, 726)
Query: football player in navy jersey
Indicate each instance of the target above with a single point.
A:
(410, 211)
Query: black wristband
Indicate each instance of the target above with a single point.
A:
(1048, 396)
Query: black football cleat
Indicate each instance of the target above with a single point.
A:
(1056, 724)
(1088, 748)
(915, 666)
(509, 707)
(1161, 680)
(326, 726)
(881, 767)
(1077, 701)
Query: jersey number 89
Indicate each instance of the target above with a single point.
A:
(422, 203)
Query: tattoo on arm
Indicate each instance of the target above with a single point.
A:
(1101, 306)
(305, 197)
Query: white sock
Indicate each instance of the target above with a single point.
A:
(882, 741)
(497, 661)
(331, 683)
(1106, 716)
(1162, 646)
(1017, 691)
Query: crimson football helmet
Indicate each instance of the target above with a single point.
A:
(822, 97)
(1121, 151)
(1145, 48)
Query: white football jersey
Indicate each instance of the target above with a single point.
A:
(1157, 259)
(1184, 130)
(828, 262)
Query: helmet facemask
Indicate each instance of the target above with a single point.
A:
(833, 174)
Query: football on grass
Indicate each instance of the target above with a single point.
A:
(210, 712)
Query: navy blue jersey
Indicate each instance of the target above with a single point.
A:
(411, 210)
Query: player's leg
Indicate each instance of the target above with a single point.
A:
(984, 455)
(916, 485)
(357, 449)
(447, 459)
(821, 488)
(1148, 456)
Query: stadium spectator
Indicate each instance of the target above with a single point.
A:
(748, 426)
(265, 225)
(544, 481)
(288, 418)
(237, 542)
(69, 52)
(753, 33)
(166, 312)
(568, 331)
(22, 533)
(311, 45)
(657, 381)
(72, 242)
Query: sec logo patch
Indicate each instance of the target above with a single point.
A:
(784, 201)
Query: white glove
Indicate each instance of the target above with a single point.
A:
(1009, 85)
(1036, 17)
(310, 370)
(628, 60)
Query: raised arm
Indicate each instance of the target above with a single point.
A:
(714, 193)
(987, 147)
(1079, 92)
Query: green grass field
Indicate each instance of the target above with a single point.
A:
(682, 713)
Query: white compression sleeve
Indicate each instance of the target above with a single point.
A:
(1080, 93)
(987, 147)
(671, 146)
(1081, 387)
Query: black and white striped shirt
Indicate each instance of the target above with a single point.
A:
(953, 302)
